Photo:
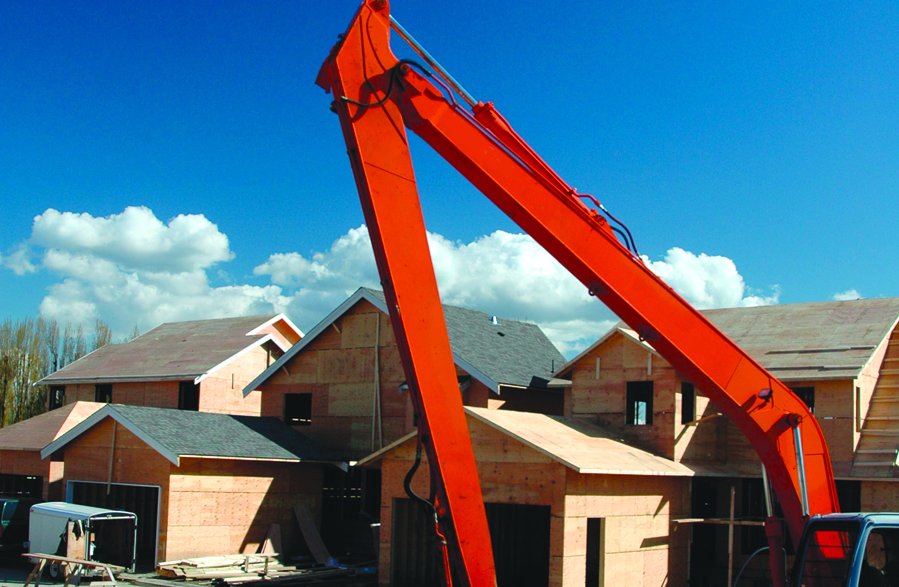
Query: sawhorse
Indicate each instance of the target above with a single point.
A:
(73, 568)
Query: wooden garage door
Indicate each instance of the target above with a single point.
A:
(142, 500)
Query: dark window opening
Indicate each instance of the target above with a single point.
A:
(752, 506)
(704, 504)
(21, 485)
(351, 502)
(57, 397)
(189, 396)
(298, 409)
(688, 403)
(639, 403)
(520, 534)
(103, 393)
(849, 495)
(807, 395)
(594, 551)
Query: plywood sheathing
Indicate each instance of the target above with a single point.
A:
(218, 506)
(603, 399)
(208, 506)
(841, 405)
(878, 420)
(338, 369)
(87, 459)
(221, 393)
(174, 350)
(637, 509)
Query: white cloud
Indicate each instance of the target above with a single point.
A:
(135, 239)
(131, 268)
(19, 261)
(849, 294)
(504, 274)
(707, 281)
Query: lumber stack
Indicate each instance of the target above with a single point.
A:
(248, 569)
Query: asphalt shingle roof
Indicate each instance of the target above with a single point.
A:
(221, 435)
(510, 352)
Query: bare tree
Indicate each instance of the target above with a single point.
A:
(24, 359)
(68, 345)
(102, 334)
(135, 332)
(53, 341)
(80, 342)
(32, 349)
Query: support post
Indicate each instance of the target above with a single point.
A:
(730, 538)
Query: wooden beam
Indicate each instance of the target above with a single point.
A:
(703, 419)
(720, 521)
(730, 538)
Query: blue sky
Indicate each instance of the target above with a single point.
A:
(752, 148)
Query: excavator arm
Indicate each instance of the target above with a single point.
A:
(377, 96)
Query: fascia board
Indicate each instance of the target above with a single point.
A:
(117, 379)
(381, 452)
(884, 341)
(95, 418)
(476, 373)
(278, 318)
(235, 356)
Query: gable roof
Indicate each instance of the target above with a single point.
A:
(578, 444)
(37, 432)
(817, 340)
(175, 351)
(179, 433)
(510, 352)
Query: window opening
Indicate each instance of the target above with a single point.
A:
(189, 396)
(639, 403)
(57, 396)
(807, 395)
(298, 409)
(688, 403)
(594, 552)
(103, 393)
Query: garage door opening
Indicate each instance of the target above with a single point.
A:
(21, 485)
(520, 535)
(142, 500)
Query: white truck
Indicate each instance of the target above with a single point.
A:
(83, 532)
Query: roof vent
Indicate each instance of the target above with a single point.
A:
(494, 321)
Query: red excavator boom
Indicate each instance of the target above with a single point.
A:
(377, 96)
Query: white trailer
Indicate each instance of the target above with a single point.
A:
(83, 532)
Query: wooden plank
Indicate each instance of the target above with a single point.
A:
(312, 535)
(272, 542)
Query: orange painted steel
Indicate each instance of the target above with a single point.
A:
(483, 147)
(379, 154)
